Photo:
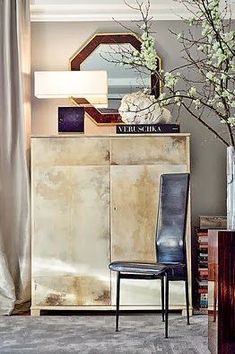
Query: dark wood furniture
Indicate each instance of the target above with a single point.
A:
(221, 291)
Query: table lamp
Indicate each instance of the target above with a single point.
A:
(90, 86)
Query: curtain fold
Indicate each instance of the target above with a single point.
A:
(15, 98)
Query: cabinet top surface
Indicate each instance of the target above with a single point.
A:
(118, 136)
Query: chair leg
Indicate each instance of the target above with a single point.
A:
(162, 296)
(166, 304)
(187, 295)
(117, 300)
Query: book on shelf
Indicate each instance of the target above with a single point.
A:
(202, 276)
(203, 300)
(202, 233)
(202, 255)
(203, 245)
(203, 262)
(204, 265)
(203, 272)
(212, 222)
(202, 282)
(202, 239)
(203, 290)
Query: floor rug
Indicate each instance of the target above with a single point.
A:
(96, 335)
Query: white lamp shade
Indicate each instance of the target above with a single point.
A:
(91, 85)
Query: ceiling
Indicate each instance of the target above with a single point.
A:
(103, 10)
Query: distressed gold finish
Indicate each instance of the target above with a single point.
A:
(70, 221)
(70, 151)
(165, 150)
(71, 290)
(54, 299)
(134, 212)
(95, 200)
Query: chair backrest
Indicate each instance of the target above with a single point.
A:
(172, 215)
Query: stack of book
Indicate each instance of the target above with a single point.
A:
(202, 276)
(205, 223)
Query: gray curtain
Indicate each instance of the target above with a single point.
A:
(14, 151)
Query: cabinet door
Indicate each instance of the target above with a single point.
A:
(70, 248)
(134, 205)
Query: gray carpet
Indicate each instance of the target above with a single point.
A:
(95, 335)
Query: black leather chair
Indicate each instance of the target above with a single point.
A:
(171, 257)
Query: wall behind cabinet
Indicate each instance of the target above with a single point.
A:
(52, 46)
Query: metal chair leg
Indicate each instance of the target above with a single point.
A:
(166, 304)
(187, 295)
(162, 296)
(117, 300)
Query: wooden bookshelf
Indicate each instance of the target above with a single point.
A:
(201, 232)
(202, 271)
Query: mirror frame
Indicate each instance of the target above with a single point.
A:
(108, 118)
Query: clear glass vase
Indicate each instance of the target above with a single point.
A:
(230, 188)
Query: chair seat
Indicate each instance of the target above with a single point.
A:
(138, 268)
(176, 270)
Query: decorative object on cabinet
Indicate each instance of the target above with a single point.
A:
(142, 108)
(147, 128)
(101, 53)
(170, 247)
(71, 120)
(90, 85)
(221, 295)
(82, 189)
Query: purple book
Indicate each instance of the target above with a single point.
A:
(70, 119)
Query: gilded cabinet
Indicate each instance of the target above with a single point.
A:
(94, 200)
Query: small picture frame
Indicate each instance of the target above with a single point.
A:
(70, 120)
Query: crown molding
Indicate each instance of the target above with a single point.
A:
(85, 11)
(64, 11)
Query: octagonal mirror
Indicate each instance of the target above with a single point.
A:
(102, 53)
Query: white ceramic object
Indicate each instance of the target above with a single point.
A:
(140, 108)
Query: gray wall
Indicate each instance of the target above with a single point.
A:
(52, 46)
